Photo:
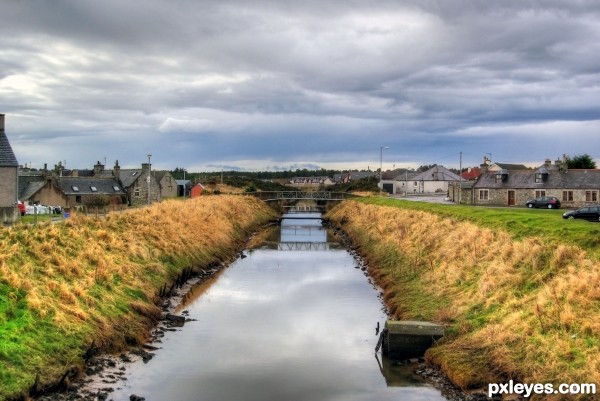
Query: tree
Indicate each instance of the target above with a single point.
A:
(581, 161)
(425, 167)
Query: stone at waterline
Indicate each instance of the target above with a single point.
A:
(403, 339)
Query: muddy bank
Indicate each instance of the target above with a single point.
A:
(103, 373)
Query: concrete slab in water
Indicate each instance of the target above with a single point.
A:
(408, 339)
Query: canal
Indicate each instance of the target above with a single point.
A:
(294, 319)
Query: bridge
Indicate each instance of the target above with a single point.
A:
(302, 195)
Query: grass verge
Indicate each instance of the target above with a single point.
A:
(519, 303)
(65, 285)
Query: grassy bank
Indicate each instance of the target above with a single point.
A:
(520, 298)
(65, 285)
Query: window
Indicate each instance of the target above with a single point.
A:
(94, 189)
(567, 196)
(484, 194)
(78, 199)
(75, 188)
(137, 192)
(591, 196)
(539, 194)
(498, 178)
(539, 178)
(416, 183)
(116, 188)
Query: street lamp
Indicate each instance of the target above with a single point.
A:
(148, 178)
(381, 168)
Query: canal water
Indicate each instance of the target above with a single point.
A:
(295, 319)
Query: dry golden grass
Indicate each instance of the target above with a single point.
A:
(531, 310)
(99, 278)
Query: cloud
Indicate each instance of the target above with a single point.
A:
(288, 83)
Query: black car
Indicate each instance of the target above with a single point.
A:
(550, 202)
(591, 213)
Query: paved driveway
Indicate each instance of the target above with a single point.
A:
(425, 198)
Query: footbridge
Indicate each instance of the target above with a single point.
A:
(302, 195)
(307, 200)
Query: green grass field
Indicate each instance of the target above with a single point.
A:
(520, 222)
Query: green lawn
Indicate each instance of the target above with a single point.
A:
(520, 222)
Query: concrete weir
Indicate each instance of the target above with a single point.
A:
(408, 339)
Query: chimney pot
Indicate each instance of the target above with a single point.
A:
(1, 122)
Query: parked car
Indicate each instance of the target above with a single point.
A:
(591, 213)
(550, 202)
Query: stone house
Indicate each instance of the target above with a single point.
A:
(140, 185)
(114, 188)
(167, 183)
(77, 191)
(573, 187)
(9, 179)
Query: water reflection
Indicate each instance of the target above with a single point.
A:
(291, 325)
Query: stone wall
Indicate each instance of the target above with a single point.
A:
(9, 215)
(8, 186)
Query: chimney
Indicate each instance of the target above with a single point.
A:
(548, 162)
(98, 168)
(145, 166)
(1, 122)
(117, 169)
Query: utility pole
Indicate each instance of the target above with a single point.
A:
(460, 178)
(148, 178)
(381, 168)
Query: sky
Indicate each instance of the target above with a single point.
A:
(275, 85)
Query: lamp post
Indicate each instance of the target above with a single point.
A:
(381, 168)
(148, 178)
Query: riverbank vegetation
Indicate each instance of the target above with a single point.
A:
(65, 286)
(518, 289)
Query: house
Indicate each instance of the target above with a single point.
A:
(574, 187)
(196, 190)
(71, 191)
(352, 176)
(9, 179)
(471, 174)
(396, 182)
(434, 180)
(167, 183)
(140, 185)
(310, 181)
(462, 192)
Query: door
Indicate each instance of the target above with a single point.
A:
(511, 198)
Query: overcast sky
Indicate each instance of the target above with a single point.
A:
(282, 84)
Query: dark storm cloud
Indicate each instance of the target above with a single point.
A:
(269, 84)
